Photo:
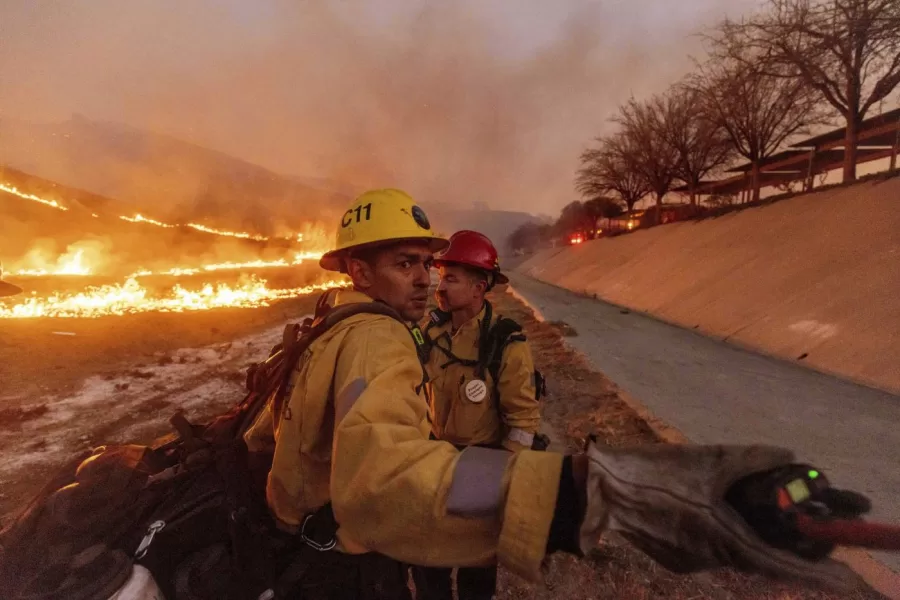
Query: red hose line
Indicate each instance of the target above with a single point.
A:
(846, 532)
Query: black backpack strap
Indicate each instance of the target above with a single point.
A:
(438, 317)
(505, 332)
(485, 340)
(325, 303)
(424, 343)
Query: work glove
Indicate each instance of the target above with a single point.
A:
(669, 502)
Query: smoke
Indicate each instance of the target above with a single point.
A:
(458, 102)
(79, 258)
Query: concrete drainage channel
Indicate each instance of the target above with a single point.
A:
(874, 571)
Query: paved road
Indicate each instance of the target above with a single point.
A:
(714, 392)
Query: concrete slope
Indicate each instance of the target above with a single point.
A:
(815, 276)
(717, 393)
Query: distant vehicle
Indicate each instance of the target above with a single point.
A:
(576, 238)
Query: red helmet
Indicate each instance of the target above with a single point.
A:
(472, 249)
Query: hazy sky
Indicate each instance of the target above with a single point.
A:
(469, 100)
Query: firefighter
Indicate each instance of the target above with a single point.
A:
(6, 288)
(482, 385)
(355, 476)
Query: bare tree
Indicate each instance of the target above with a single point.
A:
(603, 207)
(702, 144)
(848, 51)
(758, 111)
(576, 217)
(529, 236)
(646, 148)
(607, 170)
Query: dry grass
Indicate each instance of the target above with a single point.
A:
(564, 328)
(581, 401)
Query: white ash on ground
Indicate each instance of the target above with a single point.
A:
(130, 406)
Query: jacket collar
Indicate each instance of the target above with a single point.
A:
(463, 343)
(350, 296)
(471, 326)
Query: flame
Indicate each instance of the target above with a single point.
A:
(139, 218)
(131, 297)
(299, 257)
(91, 257)
(74, 264)
(12, 190)
(244, 235)
(227, 266)
(68, 264)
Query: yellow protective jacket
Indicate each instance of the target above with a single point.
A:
(465, 413)
(351, 433)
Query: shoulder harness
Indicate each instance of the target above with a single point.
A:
(492, 342)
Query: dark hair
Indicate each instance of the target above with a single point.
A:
(367, 254)
(479, 275)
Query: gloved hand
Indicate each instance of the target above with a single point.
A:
(669, 502)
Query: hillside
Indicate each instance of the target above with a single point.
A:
(36, 233)
(44, 224)
(496, 224)
(813, 278)
(163, 175)
(178, 181)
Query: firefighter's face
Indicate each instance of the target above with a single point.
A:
(460, 288)
(398, 275)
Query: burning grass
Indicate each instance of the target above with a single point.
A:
(139, 218)
(76, 249)
(132, 297)
(62, 284)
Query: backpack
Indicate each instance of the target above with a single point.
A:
(190, 507)
(492, 343)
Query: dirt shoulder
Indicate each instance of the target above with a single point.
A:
(118, 380)
(580, 402)
(54, 355)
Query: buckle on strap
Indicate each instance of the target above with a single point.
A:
(320, 546)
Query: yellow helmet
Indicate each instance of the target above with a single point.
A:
(379, 216)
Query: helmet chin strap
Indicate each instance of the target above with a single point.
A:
(491, 282)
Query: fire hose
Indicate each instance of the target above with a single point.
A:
(795, 508)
